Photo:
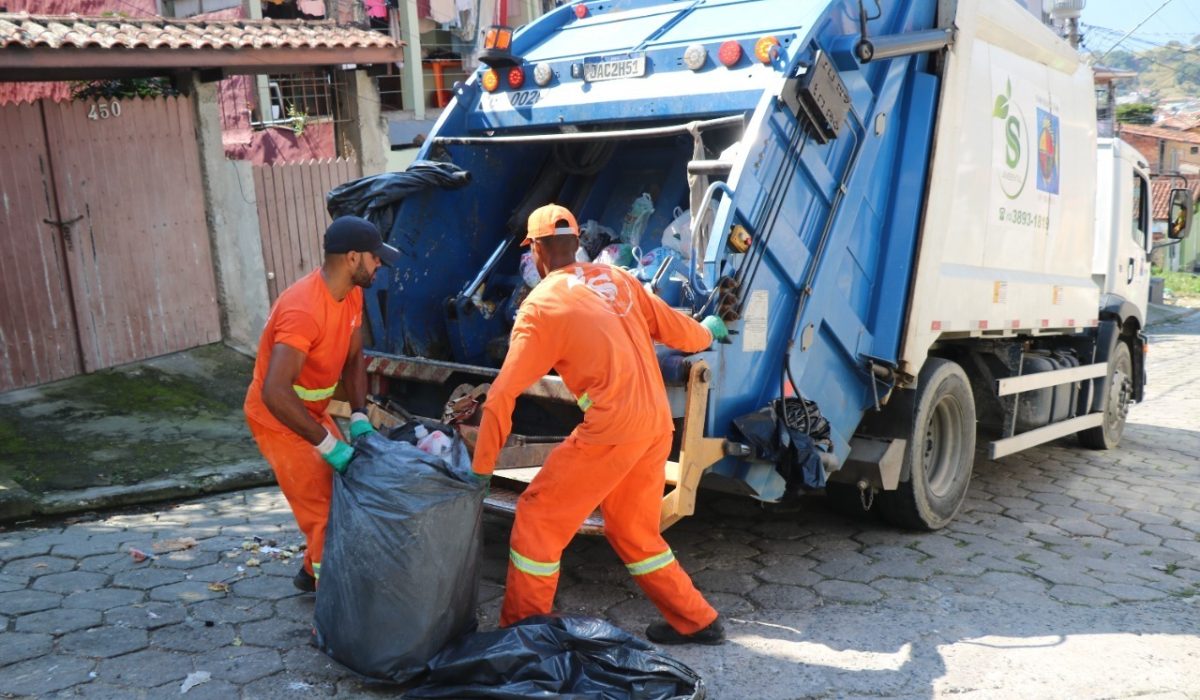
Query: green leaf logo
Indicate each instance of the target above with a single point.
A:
(1000, 111)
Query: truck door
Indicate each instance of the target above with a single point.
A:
(1132, 281)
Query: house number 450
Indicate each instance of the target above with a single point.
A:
(102, 110)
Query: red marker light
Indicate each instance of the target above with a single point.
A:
(516, 77)
(581, 11)
(730, 53)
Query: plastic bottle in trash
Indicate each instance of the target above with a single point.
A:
(436, 443)
(635, 220)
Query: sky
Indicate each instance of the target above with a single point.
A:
(1179, 20)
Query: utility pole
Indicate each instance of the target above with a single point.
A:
(262, 89)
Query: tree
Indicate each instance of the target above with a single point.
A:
(1137, 113)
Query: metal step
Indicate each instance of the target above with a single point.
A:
(503, 501)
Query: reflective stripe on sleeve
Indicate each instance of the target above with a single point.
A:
(314, 394)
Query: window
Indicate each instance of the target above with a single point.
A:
(1195, 150)
(1141, 212)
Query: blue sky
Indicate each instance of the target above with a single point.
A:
(1179, 20)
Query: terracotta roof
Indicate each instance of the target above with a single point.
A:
(73, 31)
(1161, 133)
(1181, 122)
(1161, 194)
(73, 47)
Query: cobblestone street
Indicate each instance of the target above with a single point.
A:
(1069, 574)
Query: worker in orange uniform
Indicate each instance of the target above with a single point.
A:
(311, 344)
(596, 326)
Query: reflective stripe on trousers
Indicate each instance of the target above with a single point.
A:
(651, 564)
(531, 567)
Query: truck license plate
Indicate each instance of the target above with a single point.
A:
(597, 69)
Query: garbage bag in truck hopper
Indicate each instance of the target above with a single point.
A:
(373, 197)
(792, 434)
(557, 657)
(400, 574)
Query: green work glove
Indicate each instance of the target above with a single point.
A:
(360, 425)
(716, 326)
(336, 452)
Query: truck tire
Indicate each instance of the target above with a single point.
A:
(940, 453)
(1107, 435)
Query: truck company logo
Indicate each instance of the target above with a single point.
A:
(1012, 182)
(1048, 141)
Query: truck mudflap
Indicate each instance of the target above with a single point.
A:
(522, 456)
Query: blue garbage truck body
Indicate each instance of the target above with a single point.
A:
(799, 137)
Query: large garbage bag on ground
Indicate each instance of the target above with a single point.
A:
(557, 657)
(372, 197)
(400, 572)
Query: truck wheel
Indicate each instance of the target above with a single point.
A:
(940, 452)
(1107, 435)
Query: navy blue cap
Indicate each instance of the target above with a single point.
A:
(355, 234)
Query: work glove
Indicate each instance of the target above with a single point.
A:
(336, 452)
(716, 326)
(360, 425)
(485, 480)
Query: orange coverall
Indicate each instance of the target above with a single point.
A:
(595, 325)
(307, 318)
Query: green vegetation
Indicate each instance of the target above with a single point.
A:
(1167, 72)
(1179, 283)
(1137, 113)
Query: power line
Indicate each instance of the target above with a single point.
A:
(1139, 26)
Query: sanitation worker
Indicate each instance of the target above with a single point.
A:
(312, 343)
(596, 326)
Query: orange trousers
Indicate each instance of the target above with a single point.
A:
(306, 480)
(627, 482)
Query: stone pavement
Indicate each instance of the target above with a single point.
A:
(1069, 574)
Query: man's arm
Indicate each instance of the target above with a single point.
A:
(671, 327)
(354, 373)
(281, 399)
(532, 352)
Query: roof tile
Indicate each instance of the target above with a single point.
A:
(73, 31)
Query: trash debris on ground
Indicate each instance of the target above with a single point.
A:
(219, 587)
(138, 555)
(557, 656)
(194, 679)
(252, 562)
(404, 526)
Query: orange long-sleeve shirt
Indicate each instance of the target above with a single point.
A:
(596, 326)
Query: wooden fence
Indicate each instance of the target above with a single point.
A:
(292, 215)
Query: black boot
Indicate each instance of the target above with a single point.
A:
(304, 581)
(663, 633)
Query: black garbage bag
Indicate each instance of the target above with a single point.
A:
(373, 197)
(791, 433)
(400, 572)
(557, 657)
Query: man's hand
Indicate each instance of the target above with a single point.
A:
(360, 425)
(716, 326)
(336, 452)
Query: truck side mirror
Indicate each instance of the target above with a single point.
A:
(1180, 222)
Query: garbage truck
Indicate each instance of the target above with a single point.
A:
(900, 208)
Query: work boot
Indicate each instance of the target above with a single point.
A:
(304, 581)
(662, 632)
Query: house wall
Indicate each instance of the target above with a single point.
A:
(1176, 155)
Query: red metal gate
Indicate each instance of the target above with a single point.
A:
(123, 236)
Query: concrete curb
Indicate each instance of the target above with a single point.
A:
(208, 480)
(15, 502)
(1158, 314)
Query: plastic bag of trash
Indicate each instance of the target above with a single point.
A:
(557, 657)
(400, 572)
(677, 236)
(372, 197)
